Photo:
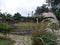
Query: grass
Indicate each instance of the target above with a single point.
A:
(5, 42)
(26, 24)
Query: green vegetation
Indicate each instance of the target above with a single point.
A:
(44, 37)
(40, 10)
(26, 24)
(17, 16)
(3, 42)
(5, 28)
(41, 36)
(6, 42)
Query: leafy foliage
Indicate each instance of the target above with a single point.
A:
(16, 16)
(41, 9)
(53, 3)
(8, 16)
(2, 15)
(44, 37)
(57, 13)
(5, 28)
(54, 26)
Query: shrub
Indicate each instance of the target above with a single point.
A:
(44, 37)
(5, 28)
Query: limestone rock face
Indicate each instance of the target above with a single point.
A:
(51, 17)
(53, 24)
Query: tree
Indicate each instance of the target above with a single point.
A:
(2, 15)
(9, 16)
(53, 3)
(55, 7)
(56, 11)
(41, 9)
(17, 16)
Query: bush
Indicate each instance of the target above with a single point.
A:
(5, 28)
(44, 37)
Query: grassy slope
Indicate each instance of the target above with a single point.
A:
(5, 42)
(26, 24)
